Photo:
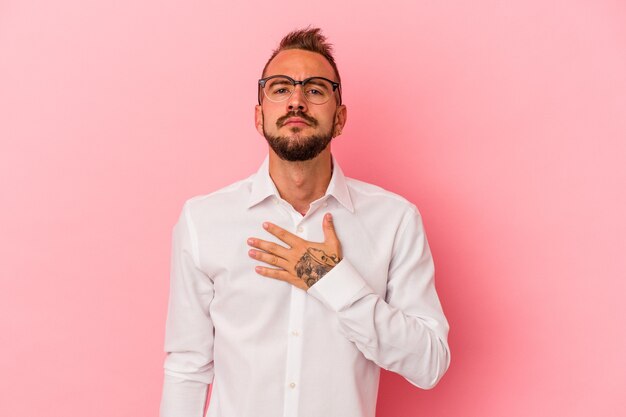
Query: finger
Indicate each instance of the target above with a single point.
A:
(275, 273)
(281, 275)
(270, 247)
(282, 234)
(268, 258)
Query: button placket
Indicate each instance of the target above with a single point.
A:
(293, 362)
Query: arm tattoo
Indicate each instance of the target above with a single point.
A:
(314, 264)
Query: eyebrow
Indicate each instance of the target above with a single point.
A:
(278, 81)
(316, 82)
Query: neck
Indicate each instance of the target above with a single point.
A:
(301, 182)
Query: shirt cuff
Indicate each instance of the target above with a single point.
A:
(340, 287)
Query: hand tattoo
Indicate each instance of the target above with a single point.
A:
(314, 264)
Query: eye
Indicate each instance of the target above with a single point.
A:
(279, 90)
(317, 88)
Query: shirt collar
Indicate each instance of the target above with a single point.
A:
(263, 186)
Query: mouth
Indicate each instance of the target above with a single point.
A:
(295, 121)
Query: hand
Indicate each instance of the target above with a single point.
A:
(303, 263)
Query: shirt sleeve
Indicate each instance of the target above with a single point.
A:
(406, 332)
(189, 329)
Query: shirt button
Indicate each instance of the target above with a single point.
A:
(275, 200)
(295, 333)
(325, 204)
(292, 385)
(300, 229)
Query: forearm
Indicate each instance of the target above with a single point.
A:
(412, 343)
(407, 345)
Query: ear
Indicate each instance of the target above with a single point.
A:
(341, 116)
(258, 119)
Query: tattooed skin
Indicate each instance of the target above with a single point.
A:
(314, 264)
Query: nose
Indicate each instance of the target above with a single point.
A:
(297, 99)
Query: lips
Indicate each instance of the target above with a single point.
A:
(295, 121)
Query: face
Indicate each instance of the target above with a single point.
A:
(295, 129)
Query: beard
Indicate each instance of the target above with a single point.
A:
(298, 147)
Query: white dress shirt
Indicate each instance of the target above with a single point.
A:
(271, 349)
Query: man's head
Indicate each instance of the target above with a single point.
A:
(299, 120)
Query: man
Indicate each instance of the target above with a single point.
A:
(292, 288)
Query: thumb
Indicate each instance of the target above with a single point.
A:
(329, 229)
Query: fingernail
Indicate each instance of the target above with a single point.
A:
(250, 241)
(329, 216)
(266, 225)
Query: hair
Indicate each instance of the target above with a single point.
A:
(308, 39)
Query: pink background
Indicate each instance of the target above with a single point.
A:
(505, 122)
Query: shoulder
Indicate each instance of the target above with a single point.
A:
(230, 197)
(369, 195)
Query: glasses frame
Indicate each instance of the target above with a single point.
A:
(262, 81)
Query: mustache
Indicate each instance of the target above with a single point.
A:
(311, 120)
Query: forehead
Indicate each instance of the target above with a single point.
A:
(300, 64)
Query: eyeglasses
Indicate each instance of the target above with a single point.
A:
(317, 90)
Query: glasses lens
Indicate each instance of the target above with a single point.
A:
(278, 89)
(318, 90)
